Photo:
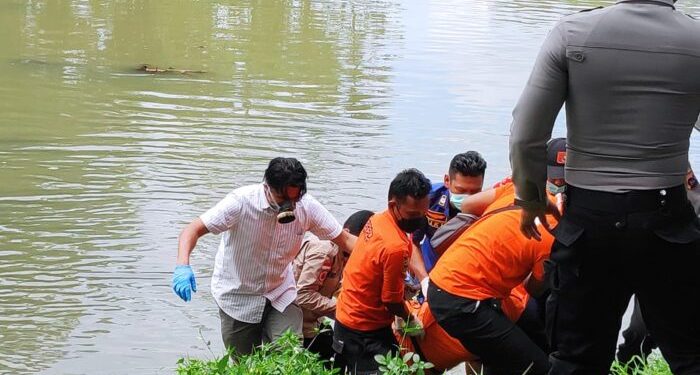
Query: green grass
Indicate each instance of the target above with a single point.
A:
(654, 365)
(287, 357)
(283, 357)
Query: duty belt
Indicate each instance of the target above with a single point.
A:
(632, 201)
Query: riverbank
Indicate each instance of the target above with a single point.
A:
(286, 356)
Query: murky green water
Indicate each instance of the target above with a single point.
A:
(101, 164)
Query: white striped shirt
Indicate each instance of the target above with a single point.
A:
(253, 263)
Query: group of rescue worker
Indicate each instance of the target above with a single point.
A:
(531, 275)
(483, 283)
(483, 286)
(479, 287)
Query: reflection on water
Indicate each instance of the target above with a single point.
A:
(103, 163)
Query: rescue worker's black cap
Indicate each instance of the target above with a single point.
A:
(556, 157)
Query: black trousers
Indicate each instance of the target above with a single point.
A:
(532, 320)
(356, 349)
(609, 246)
(485, 331)
(322, 345)
(637, 340)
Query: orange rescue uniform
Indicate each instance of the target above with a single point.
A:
(443, 350)
(493, 256)
(374, 275)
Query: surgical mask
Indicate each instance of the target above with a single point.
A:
(285, 211)
(457, 199)
(554, 189)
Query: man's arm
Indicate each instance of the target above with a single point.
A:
(416, 265)
(393, 287)
(393, 281)
(345, 240)
(184, 283)
(533, 120)
(535, 283)
(188, 240)
(476, 204)
(398, 309)
(309, 281)
(326, 227)
(535, 287)
(216, 220)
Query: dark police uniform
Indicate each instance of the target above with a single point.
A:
(630, 77)
(439, 212)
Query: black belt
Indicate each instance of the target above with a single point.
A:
(632, 201)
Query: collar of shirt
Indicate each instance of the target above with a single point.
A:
(663, 2)
(262, 198)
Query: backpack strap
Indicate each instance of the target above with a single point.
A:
(502, 209)
(444, 244)
(510, 207)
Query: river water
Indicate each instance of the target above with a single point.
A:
(102, 163)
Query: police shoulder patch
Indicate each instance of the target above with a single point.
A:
(443, 200)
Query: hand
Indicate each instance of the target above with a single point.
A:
(414, 327)
(556, 208)
(424, 286)
(183, 282)
(528, 225)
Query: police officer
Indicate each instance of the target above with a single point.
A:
(464, 177)
(630, 77)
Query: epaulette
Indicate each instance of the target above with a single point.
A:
(588, 10)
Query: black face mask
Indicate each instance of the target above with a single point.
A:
(285, 210)
(285, 213)
(412, 225)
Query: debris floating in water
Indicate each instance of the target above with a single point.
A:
(154, 69)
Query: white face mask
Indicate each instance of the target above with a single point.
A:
(554, 189)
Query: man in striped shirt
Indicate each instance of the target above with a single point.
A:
(263, 226)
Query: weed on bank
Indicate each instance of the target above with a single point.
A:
(286, 356)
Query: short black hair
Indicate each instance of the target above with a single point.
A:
(357, 221)
(409, 182)
(468, 163)
(283, 172)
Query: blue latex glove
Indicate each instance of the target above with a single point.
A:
(184, 283)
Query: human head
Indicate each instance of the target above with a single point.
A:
(355, 223)
(286, 178)
(556, 160)
(408, 199)
(466, 173)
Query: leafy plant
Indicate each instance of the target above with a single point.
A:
(282, 357)
(395, 364)
(324, 327)
(655, 365)
(408, 364)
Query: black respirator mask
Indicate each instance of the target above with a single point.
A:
(285, 210)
